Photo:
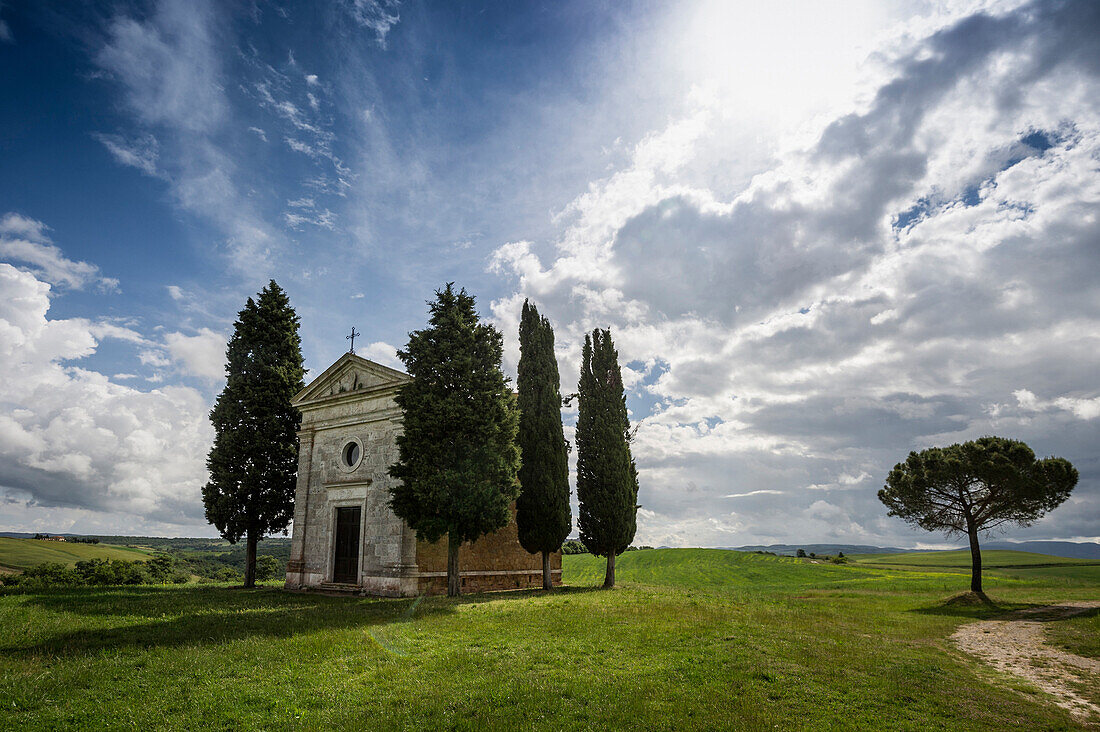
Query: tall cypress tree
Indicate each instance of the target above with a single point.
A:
(542, 509)
(607, 480)
(254, 460)
(457, 455)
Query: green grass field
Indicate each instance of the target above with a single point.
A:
(1080, 635)
(692, 639)
(960, 559)
(19, 554)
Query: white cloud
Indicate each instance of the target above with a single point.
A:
(321, 219)
(141, 153)
(1082, 408)
(382, 353)
(379, 16)
(77, 445)
(169, 66)
(201, 355)
(796, 338)
(169, 69)
(23, 239)
(761, 492)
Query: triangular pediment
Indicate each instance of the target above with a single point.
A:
(348, 375)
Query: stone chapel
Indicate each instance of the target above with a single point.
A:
(345, 537)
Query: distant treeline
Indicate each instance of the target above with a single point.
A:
(158, 570)
(163, 544)
(575, 546)
(178, 561)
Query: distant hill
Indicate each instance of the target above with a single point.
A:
(960, 559)
(19, 554)
(1070, 549)
(833, 549)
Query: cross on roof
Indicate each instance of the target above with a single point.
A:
(352, 338)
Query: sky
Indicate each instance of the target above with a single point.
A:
(823, 234)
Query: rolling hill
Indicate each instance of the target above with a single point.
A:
(1072, 549)
(19, 554)
(960, 559)
(690, 639)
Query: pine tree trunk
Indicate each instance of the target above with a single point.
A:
(454, 582)
(547, 578)
(609, 578)
(975, 561)
(250, 559)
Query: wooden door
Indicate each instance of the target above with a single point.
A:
(346, 562)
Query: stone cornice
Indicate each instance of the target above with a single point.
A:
(328, 400)
(382, 415)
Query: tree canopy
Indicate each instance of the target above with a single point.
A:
(607, 480)
(457, 455)
(974, 487)
(254, 459)
(543, 517)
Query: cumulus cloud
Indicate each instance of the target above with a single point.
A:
(24, 240)
(201, 355)
(75, 445)
(383, 353)
(914, 274)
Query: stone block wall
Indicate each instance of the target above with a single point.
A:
(496, 561)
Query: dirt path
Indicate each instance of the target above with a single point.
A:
(1014, 643)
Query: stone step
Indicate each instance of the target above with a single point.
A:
(339, 587)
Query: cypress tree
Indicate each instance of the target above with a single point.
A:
(457, 455)
(607, 480)
(254, 459)
(543, 517)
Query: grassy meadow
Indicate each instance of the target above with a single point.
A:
(692, 639)
(960, 559)
(20, 554)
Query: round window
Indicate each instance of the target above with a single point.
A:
(351, 454)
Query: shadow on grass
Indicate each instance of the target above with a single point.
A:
(159, 617)
(975, 605)
(1058, 613)
(981, 607)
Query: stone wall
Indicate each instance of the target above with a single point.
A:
(496, 561)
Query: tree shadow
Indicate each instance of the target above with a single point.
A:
(979, 606)
(976, 605)
(1056, 613)
(175, 617)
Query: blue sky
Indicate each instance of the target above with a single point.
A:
(824, 234)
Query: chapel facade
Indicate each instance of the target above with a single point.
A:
(345, 537)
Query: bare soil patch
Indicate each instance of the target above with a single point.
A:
(1014, 643)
